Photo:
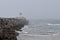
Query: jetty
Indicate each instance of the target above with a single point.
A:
(9, 26)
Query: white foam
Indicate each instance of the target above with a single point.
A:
(18, 31)
(24, 32)
(53, 24)
(35, 35)
(55, 34)
(25, 27)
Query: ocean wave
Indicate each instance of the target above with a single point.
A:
(54, 24)
(37, 35)
(34, 35)
(40, 34)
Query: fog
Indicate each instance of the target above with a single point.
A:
(31, 9)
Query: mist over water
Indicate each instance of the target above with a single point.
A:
(41, 30)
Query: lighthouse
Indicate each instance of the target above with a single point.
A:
(20, 16)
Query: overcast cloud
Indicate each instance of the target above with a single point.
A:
(31, 9)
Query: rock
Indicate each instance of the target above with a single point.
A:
(8, 27)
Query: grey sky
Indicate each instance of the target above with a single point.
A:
(32, 9)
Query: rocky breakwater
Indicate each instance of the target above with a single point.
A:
(8, 27)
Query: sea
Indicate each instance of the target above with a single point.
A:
(48, 29)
